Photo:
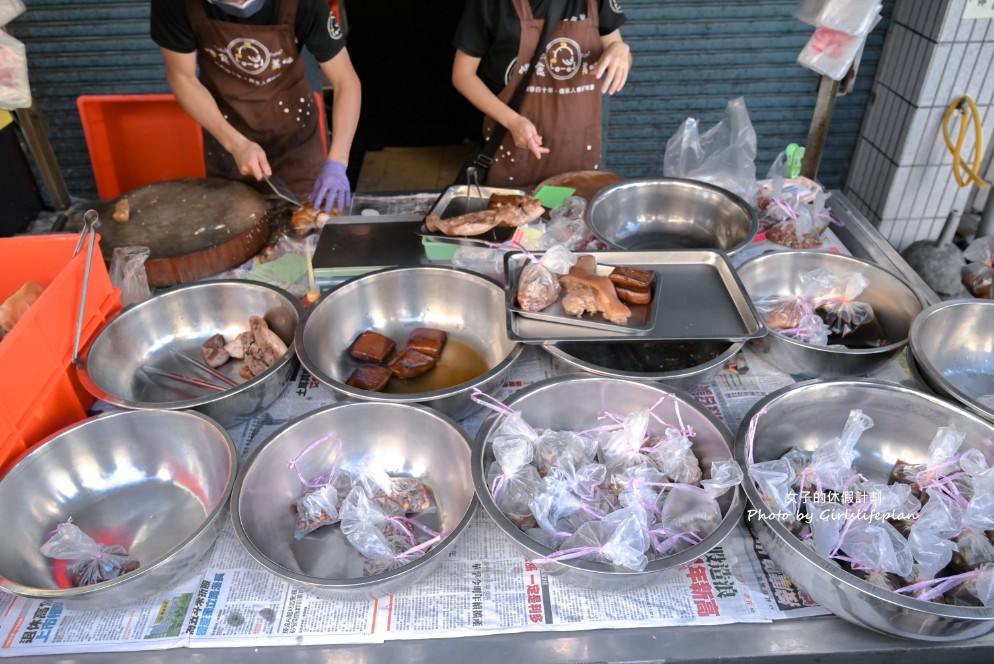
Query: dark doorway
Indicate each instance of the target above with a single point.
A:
(402, 52)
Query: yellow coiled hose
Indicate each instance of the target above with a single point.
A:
(966, 173)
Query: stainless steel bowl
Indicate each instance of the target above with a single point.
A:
(574, 402)
(181, 319)
(154, 481)
(405, 440)
(468, 306)
(683, 365)
(671, 213)
(807, 414)
(894, 303)
(953, 345)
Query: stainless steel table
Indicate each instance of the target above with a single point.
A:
(828, 640)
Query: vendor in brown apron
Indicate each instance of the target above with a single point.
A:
(557, 126)
(258, 79)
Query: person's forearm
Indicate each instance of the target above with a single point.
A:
(345, 108)
(479, 95)
(197, 101)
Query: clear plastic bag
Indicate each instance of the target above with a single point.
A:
(724, 155)
(687, 509)
(127, 272)
(831, 53)
(978, 274)
(620, 538)
(850, 321)
(555, 448)
(482, 260)
(854, 17)
(538, 284)
(15, 92)
(673, 454)
(567, 225)
(89, 561)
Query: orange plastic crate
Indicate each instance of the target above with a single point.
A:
(39, 390)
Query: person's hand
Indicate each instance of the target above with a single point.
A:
(613, 67)
(331, 187)
(251, 159)
(526, 136)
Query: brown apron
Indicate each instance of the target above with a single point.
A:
(563, 101)
(258, 79)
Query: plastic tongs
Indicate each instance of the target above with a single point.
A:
(91, 222)
(281, 189)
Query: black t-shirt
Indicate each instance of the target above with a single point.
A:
(171, 29)
(490, 30)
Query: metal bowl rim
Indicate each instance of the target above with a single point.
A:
(410, 398)
(358, 583)
(854, 352)
(97, 391)
(604, 372)
(756, 502)
(637, 182)
(930, 373)
(602, 570)
(82, 592)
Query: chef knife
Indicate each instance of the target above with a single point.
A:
(282, 190)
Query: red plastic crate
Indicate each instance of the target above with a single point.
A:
(39, 390)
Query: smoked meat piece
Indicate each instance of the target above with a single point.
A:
(213, 351)
(411, 364)
(632, 278)
(632, 295)
(427, 340)
(372, 347)
(588, 291)
(369, 377)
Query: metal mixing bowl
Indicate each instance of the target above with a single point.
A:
(894, 303)
(807, 414)
(181, 319)
(405, 440)
(685, 365)
(467, 306)
(574, 402)
(671, 213)
(154, 481)
(953, 345)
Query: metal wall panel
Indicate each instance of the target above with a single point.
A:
(691, 57)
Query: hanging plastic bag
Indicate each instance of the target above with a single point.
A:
(831, 53)
(978, 274)
(724, 155)
(15, 92)
(127, 272)
(89, 561)
(854, 17)
(9, 10)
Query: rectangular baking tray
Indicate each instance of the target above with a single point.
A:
(698, 296)
(462, 199)
(641, 320)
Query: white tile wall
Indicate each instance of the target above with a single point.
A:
(901, 175)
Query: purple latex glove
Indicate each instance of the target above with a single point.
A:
(331, 187)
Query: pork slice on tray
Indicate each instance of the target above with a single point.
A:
(501, 213)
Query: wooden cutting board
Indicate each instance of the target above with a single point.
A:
(586, 183)
(194, 227)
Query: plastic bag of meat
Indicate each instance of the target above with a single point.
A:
(89, 561)
(321, 502)
(850, 322)
(978, 274)
(538, 285)
(620, 538)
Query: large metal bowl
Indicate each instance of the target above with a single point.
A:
(405, 440)
(574, 402)
(953, 346)
(671, 213)
(151, 332)
(683, 365)
(154, 481)
(807, 414)
(467, 306)
(894, 303)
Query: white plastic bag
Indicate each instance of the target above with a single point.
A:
(14, 89)
(854, 17)
(831, 53)
(9, 10)
(127, 272)
(724, 155)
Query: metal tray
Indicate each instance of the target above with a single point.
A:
(462, 199)
(698, 296)
(640, 322)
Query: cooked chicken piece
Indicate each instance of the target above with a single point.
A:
(369, 377)
(213, 351)
(266, 346)
(427, 340)
(236, 348)
(372, 347)
(411, 364)
(307, 219)
(588, 291)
